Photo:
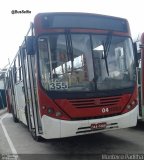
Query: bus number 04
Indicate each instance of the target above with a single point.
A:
(104, 110)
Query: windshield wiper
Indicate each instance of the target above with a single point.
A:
(106, 50)
(69, 47)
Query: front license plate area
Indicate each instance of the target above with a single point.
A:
(95, 126)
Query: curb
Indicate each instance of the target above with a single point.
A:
(2, 111)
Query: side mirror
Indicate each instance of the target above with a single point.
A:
(136, 46)
(30, 40)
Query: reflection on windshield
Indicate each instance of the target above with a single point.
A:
(120, 64)
(97, 63)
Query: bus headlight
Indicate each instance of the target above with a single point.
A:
(58, 113)
(128, 107)
(133, 103)
(50, 111)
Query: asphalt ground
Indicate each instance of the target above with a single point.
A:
(2, 111)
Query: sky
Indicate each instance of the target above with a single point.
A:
(13, 27)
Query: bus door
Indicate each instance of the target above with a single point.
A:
(139, 84)
(139, 48)
(142, 73)
(12, 93)
(32, 112)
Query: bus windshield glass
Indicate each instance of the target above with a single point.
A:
(85, 62)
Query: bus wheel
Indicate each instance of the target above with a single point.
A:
(26, 115)
(15, 119)
(35, 137)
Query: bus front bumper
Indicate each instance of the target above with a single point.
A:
(55, 128)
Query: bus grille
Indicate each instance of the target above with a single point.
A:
(96, 102)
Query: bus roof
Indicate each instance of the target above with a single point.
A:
(81, 20)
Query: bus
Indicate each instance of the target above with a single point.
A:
(74, 74)
(139, 47)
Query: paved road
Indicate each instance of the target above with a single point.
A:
(124, 141)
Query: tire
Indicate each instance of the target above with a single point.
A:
(35, 137)
(26, 115)
(15, 119)
(33, 132)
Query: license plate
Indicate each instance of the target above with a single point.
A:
(98, 125)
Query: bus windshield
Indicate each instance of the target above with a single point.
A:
(85, 62)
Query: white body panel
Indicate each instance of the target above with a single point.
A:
(1, 84)
(54, 128)
(20, 102)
